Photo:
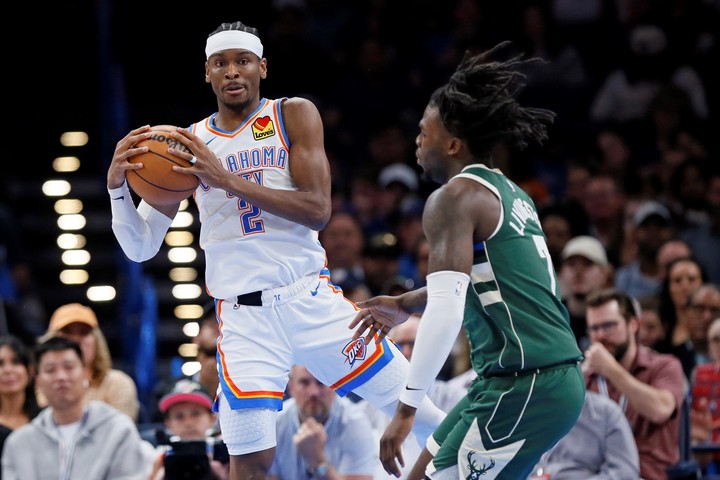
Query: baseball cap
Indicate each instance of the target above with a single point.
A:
(399, 173)
(586, 246)
(72, 313)
(185, 390)
(649, 209)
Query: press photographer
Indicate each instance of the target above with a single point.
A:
(188, 448)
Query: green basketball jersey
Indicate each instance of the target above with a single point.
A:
(514, 318)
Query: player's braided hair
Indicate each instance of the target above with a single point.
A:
(479, 104)
(236, 26)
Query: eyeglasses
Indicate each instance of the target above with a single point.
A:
(605, 327)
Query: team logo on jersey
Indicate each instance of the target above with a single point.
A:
(263, 127)
(475, 471)
(354, 351)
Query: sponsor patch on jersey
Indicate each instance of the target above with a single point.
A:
(263, 127)
(354, 351)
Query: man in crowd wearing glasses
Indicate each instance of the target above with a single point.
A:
(648, 386)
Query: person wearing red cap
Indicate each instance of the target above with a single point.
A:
(107, 384)
(188, 417)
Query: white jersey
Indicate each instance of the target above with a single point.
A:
(247, 249)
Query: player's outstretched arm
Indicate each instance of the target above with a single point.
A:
(379, 314)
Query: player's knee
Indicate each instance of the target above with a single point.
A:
(247, 430)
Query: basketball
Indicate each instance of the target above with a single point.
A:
(156, 182)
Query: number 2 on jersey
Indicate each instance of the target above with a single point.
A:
(249, 218)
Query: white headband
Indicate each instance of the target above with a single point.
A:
(231, 39)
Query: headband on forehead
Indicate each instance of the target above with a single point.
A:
(232, 39)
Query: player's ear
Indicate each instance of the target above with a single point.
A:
(455, 146)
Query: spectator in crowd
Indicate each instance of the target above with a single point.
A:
(410, 234)
(670, 251)
(110, 385)
(653, 227)
(686, 192)
(600, 445)
(674, 141)
(206, 341)
(626, 92)
(603, 200)
(558, 231)
(73, 437)
(343, 240)
(704, 239)
(18, 404)
(703, 307)
(560, 81)
(577, 177)
(648, 386)
(651, 331)
(684, 276)
(421, 253)
(188, 417)
(318, 434)
(584, 269)
(399, 184)
(615, 156)
(206, 357)
(381, 260)
(705, 413)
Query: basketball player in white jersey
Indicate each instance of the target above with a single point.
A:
(264, 194)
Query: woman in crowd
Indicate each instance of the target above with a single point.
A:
(18, 404)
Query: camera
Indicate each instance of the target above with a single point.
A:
(188, 459)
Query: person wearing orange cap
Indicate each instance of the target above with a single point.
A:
(110, 385)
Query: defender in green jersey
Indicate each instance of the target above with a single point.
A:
(489, 271)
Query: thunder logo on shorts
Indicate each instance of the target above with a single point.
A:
(354, 350)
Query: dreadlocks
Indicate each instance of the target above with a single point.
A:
(478, 104)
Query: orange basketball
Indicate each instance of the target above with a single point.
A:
(156, 182)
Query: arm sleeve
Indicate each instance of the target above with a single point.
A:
(439, 327)
(140, 232)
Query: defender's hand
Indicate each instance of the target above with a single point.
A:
(377, 316)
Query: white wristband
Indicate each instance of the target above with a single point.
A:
(140, 232)
(437, 333)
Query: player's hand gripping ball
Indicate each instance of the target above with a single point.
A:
(156, 182)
